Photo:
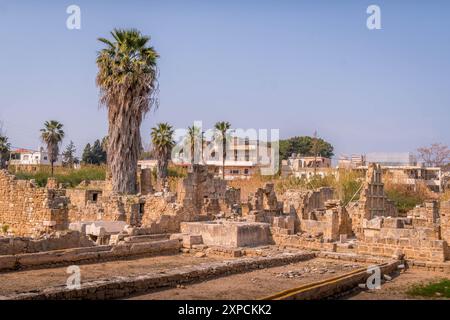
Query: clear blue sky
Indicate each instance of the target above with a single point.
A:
(298, 66)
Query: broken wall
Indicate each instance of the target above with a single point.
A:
(29, 210)
(373, 201)
(57, 241)
(201, 193)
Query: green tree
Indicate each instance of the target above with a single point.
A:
(52, 135)
(98, 154)
(304, 146)
(162, 140)
(69, 158)
(86, 157)
(5, 148)
(222, 128)
(194, 139)
(127, 78)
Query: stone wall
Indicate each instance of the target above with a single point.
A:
(418, 236)
(88, 254)
(56, 241)
(303, 202)
(229, 233)
(28, 210)
(423, 250)
(373, 201)
(296, 241)
(317, 214)
(264, 199)
(445, 221)
(200, 193)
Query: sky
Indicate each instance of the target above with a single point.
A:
(297, 66)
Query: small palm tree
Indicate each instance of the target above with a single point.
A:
(5, 147)
(222, 128)
(193, 140)
(162, 140)
(52, 135)
(127, 78)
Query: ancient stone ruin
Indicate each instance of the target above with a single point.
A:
(53, 225)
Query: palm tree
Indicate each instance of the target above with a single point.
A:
(222, 127)
(52, 135)
(127, 78)
(162, 140)
(193, 139)
(5, 147)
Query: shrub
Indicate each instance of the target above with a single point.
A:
(440, 289)
(70, 177)
(5, 228)
(346, 186)
(446, 196)
(406, 198)
(177, 172)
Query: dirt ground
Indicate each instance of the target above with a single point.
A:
(251, 285)
(29, 280)
(256, 284)
(397, 288)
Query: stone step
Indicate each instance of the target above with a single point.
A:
(146, 238)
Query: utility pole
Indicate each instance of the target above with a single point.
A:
(315, 150)
(203, 145)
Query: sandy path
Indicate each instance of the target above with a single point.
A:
(256, 284)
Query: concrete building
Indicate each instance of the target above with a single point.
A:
(244, 157)
(148, 164)
(306, 167)
(32, 157)
(402, 168)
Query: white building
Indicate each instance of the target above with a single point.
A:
(306, 167)
(403, 168)
(148, 164)
(244, 157)
(32, 157)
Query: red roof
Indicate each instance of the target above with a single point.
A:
(22, 151)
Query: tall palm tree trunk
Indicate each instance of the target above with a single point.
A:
(123, 147)
(224, 155)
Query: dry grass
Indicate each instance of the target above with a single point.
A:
(250, 185)
(446, 196)
(407, 198)
(346, 186)
(67, 176)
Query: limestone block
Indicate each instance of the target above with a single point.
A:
(375, 223)
(7, 262)
(178, 236)
(279, 222)
(190, 240)
(49, 223)
(102, 228)
(79, 226)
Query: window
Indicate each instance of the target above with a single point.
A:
(245, 171)
(234, 171)
(45, 157)
(94, 197)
